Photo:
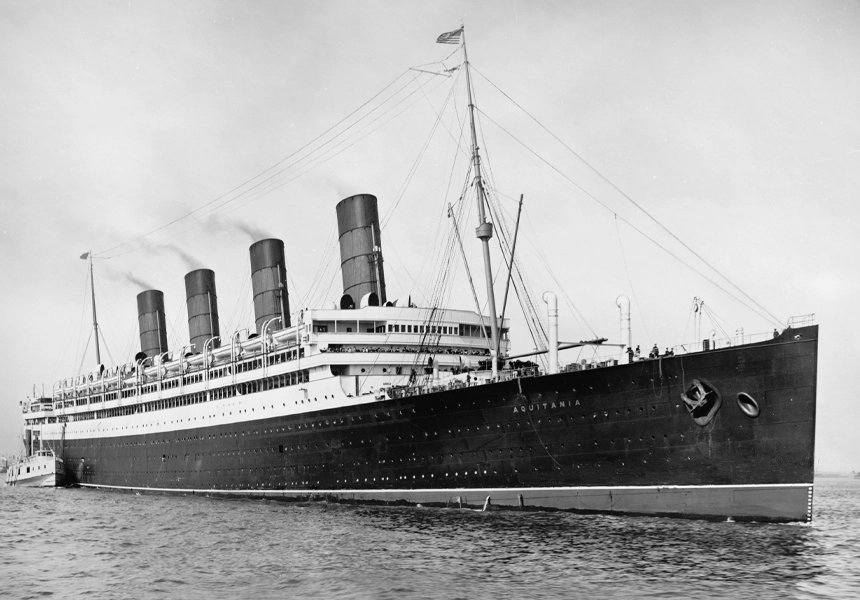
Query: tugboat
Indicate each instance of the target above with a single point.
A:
(41, 469)
(376, 400)
(37, 466)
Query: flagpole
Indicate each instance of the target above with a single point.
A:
(95, 322)
(485, 228)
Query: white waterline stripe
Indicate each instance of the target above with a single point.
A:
(458, 490)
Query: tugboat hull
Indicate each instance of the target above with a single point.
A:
(40, 470)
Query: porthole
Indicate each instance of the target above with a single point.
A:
(748, 405)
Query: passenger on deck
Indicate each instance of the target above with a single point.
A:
(655, 352)
(637, 353)
(629, 354)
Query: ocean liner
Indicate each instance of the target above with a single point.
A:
(373, 400)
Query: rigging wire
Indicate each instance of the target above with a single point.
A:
(130, 341)
(441, 290)
(766, 314)
(522, 289)
(690, 317)
(715, 320)
(630, 280)
(227, 207)
(629, 199)
(445, 195)
(272, 182)
(534, 242)
(405, 185)
(371, 99)
(322, 265)
(107, 349)
(414, 168)
(331, 281)
(327, 154)
(233, 324)
(322, 159)
(81, 324)
(84, 355)
(330, 269)
(415, 283)
(174, 328)
(106, 325)
(532, 316)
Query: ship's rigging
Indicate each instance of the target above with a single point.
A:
(410, 88)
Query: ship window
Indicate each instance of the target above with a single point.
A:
(349, 329)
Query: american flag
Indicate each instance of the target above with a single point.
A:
(452, 37)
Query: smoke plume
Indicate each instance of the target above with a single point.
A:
(132, 278)
(189, 261)
(254, 233)
(220, 225)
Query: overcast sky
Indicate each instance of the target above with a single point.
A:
(735, 125)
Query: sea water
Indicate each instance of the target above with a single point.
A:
(70, 543)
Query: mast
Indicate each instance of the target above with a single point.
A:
(510, 270)
(484, 230)
(95, 322)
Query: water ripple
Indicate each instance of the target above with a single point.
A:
(104, 545)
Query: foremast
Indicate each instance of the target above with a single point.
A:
(89, 256)
(484, 231)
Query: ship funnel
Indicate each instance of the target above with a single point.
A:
(360, 247)
(269, 284)
(150, 317)
(202, 304)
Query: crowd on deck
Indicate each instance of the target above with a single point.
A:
(408, 350)
(634, 355)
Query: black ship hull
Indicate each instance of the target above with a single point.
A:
(615, 439)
